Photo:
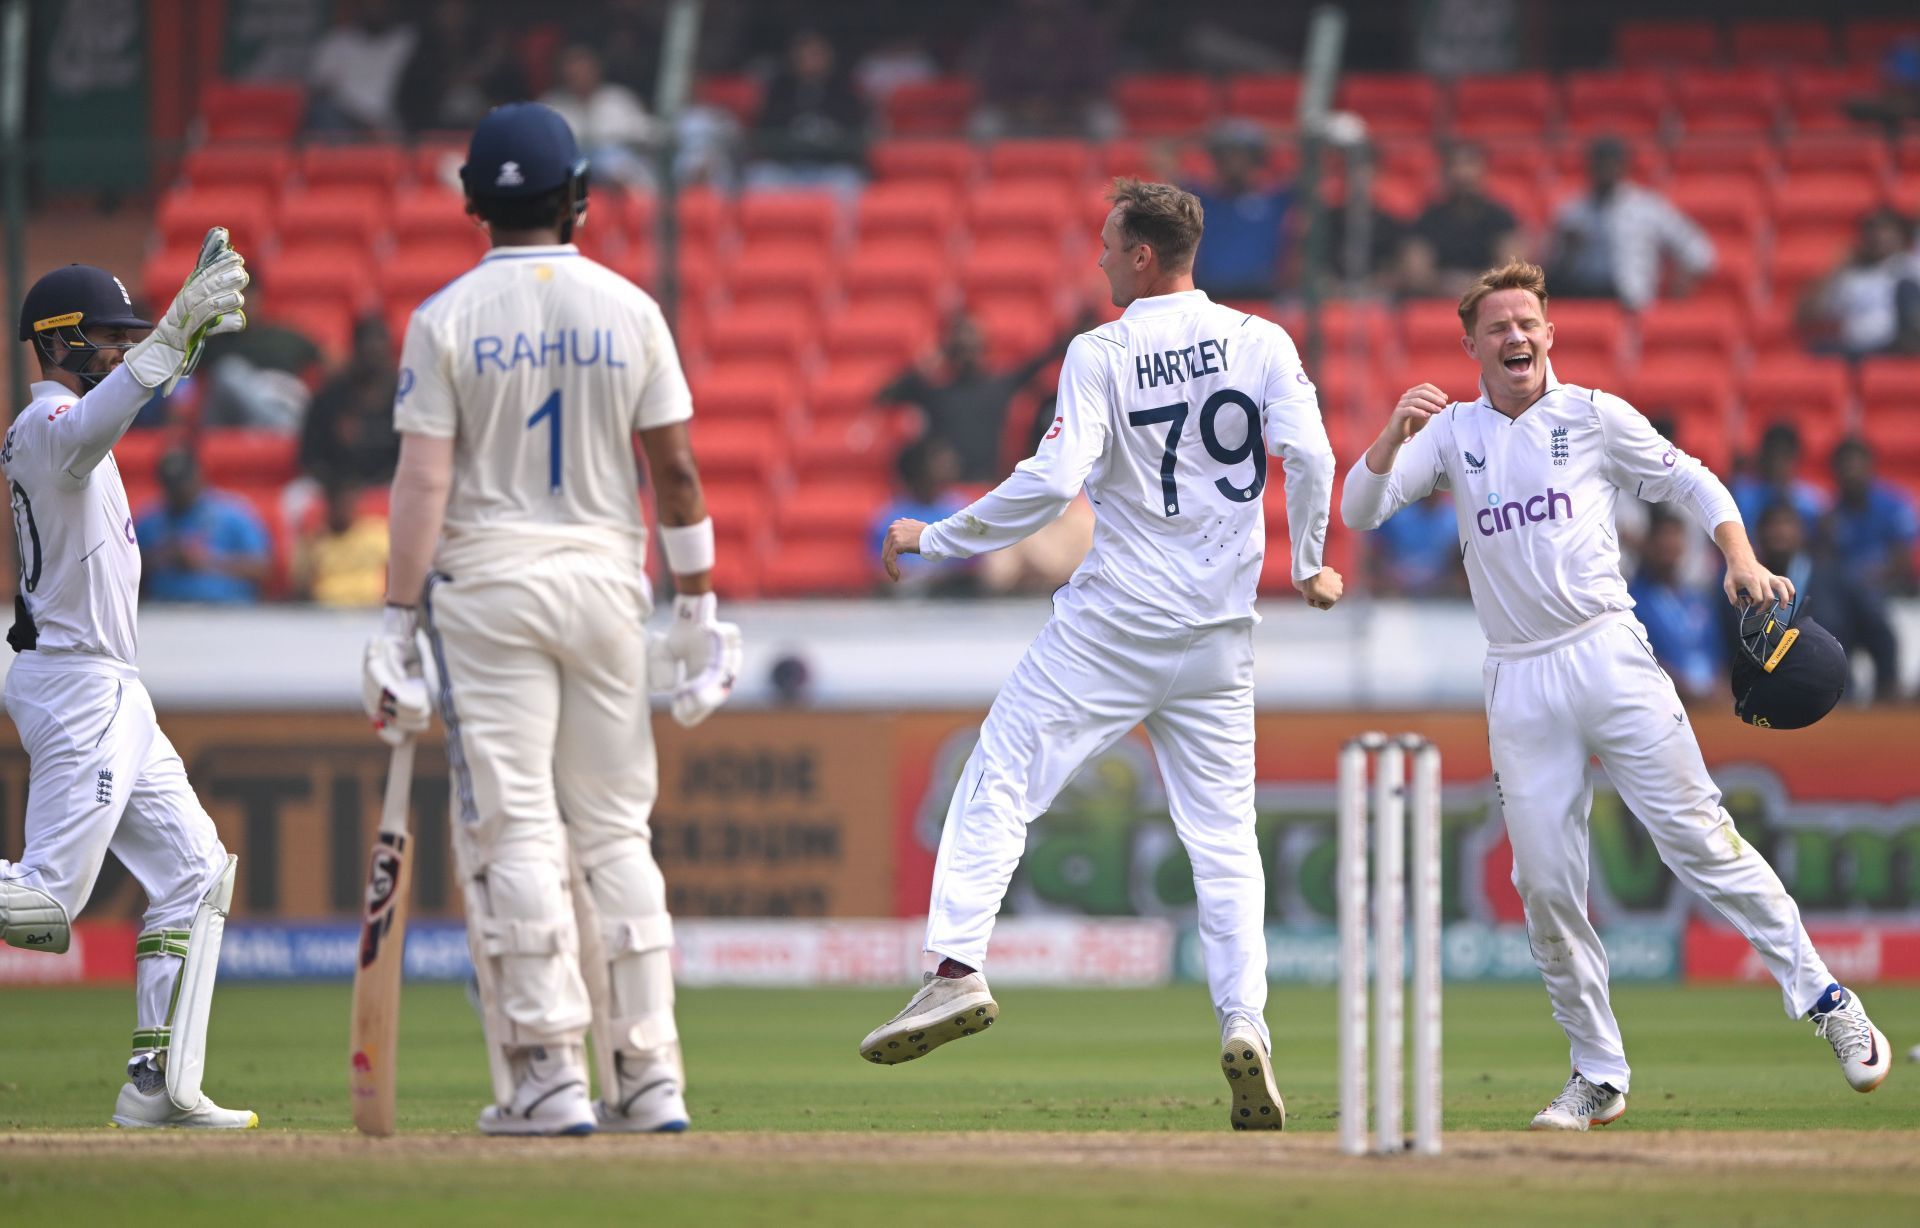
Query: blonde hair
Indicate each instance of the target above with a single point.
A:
(1513, 275)
(1163, 217)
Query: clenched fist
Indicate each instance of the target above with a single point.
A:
(1322, 588)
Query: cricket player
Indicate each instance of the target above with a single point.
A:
(1165, 418)
(1536, 467)
(101, 775)
(522, 386)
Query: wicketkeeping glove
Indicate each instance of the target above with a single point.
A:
(393, 680)
(695, 661)
(210, 303)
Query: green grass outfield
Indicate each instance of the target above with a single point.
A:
(1736, 1116)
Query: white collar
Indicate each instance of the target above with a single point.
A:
(1163, 304)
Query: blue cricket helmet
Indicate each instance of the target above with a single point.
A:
(522, 150)
(65, 305)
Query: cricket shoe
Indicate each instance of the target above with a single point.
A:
(551, 1098)
(946, 1008)
(1865, 1056)
(138, 1110)
(1581, 1104)
(1248, 1066)
(648, 1095)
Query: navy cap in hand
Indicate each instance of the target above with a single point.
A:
(1789, 672)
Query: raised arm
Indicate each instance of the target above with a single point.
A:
(1039, 489)
(1402, 466)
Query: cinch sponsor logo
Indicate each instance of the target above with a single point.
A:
(1498, 517)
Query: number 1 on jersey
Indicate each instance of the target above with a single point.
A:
(550, 410)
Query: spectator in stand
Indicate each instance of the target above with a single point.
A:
(348, 435)
(200, 545)
(1416, 553)
(1897, 103)
(1873, 526)
(1871, 303)
(895, 61)
(929, 471)
(461, 69)
(813, 123)
(342, 561)
(963, 402)
(353, 83)
(1684, 622)
(1246, 211)
(1043, 69)
(1857, 615)
(608, 120)
(1774, 480)
(1462, 233)
(1611, 241)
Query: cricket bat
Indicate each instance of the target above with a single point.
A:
(383, 939)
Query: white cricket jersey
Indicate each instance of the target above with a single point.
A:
(1534, 497)
(1166, 417)
(540, 364)
(73, 532)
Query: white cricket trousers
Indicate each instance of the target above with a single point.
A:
(1082, 685)
(101, 776)
(1604, 695)
(544, 698)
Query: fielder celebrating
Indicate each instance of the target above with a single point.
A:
(523, 384)
(1536, 467)
(1166, 417)
(101, 773)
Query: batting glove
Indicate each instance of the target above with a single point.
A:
(695, 661)
(393, 685)
(210, 303)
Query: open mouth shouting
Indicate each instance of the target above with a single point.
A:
(1519, 363)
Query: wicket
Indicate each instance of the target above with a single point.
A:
(1389, 797)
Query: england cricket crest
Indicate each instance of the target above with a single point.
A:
(383, 879)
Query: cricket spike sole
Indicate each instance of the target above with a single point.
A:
(922, 1036)
(1256, 1102)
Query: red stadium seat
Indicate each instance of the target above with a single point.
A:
(1430, 325)
(809, 568)
(433, 215)
(931, 108)
(840, 510)
(185, 216)
(1828, 199)
(766, 335)
(1795, 386)
(1721, 205)
(954, 163)
(926, 211)
(1272, 99)
(847, 393)
(325, 323)
(1688, 391)
(803, 217)
(1509, 103)
(1723, 157)
(758, 394)
(795, 276)
(260, 168)
(1393, 104)
(1867, 40)
(1733, 282)
(1637, 98)
(1890, 386)
(913, 276)
(1065, 164)
(376, 166)
(738, 94)
(1666, 42)
(436, 163)
(1165, 104)
(739, 452)
(1678, 331)
(705, 218)
(251, 110)
(1125, 158)
(1782, 41)
(1852, 153)
(233, 457)
(352, 214)
(884, 334)
(1019, 210)
(138, 455)
(1817, 96)
(341, 274)
(162, 274)
(418, 271)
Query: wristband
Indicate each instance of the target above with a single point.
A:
(689, 547)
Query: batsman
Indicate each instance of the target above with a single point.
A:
(519, 549)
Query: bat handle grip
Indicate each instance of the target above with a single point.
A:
(399, 789)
